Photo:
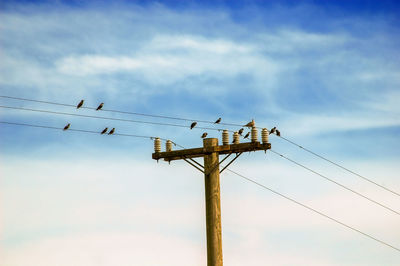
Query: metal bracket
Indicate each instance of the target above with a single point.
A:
(186, 160)
(216, 165)
(237, 155)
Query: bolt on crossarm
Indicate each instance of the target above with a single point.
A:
(210, 152)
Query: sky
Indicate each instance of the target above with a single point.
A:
(326, 74)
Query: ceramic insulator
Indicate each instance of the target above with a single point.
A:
(264, 135)
(157, 145)
(168, 145)
(236, 138)
(225, 137)
(253, 134)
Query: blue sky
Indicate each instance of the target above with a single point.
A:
(326, 74)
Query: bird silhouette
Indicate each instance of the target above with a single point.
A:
(80, 104)
(250, 124)
(193, 125)
(278, 133)
(247, 135)
(104, 130)
(67, 126)
(240, 131)
(218, 120)
(204, 135)
(111, 131)
(272, 130)
(100, 106)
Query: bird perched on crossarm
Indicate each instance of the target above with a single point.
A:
(218, 121)
(67, 126)
(250, 124)
(193, 125)
(247, 135)
(111, 131)
(100, 106)
(204, 135)
(80, 104)
(104, 130)
(272, 131)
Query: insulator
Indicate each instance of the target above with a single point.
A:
(254, 137)
(264, 135)
(157, 145)
(225, 137)
(168, 145)
(236, 138)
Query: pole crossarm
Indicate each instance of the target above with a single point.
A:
(221, 149)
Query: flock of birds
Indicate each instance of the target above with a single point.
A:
(240, 131)
(104, 131)
(204, 135)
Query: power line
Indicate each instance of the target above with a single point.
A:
(315, 211)
(82, 130)
(340, 166)
(209, 122)
(119, 111)
(246, 178)
(106, 118)
(337, 183)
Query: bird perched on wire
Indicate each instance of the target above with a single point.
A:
(111, 131)
(67, 126)
(193, 125)
(100, 106)
(247, 135)
(104, 130)
(240, 131)
(204, 135)
(272, 131)
(250, 124)
(218, 121)
(278, 133)
(80, 104)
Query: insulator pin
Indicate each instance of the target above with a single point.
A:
(254, 137)
(236, 138)
(168, 145)
(264, 135)
(225, 137)
(157, 145)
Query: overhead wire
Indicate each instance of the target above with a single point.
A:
(335, 182)
(121, 112)
(83, 131)
(105, 118)
(209, 122)
(340, 166)
(315, 211)
(240, 175)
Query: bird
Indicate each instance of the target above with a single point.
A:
(80, 104)
(278, 133)
(240, 131)
(193, 125)
(247, 135)
(104, 130)
(204, 135)
(218, 120)
(111, 131)
(250, 124)
(272, 130)
(100, 106)
(67, 126)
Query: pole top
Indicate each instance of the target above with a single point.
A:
(210, 142)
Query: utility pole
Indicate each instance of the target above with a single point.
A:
(210, 152)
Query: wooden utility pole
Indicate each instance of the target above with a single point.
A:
(211, 151)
